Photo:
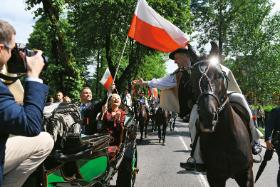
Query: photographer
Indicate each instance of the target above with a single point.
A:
(20, 155)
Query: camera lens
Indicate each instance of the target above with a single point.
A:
(29, 52)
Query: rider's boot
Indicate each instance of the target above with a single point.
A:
(192, 166)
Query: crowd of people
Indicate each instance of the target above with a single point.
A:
(23, 122)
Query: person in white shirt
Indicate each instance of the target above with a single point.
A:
(127, 99)
(85, 98)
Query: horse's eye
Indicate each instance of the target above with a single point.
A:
(220, 76)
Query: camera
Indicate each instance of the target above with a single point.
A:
(17, 63)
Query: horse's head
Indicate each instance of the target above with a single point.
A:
(210, 88)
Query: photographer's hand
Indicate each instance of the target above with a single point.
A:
(35, 65)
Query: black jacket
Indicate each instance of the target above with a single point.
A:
(273, 123)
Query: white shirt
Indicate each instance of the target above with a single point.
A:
(170, 81)
(128, 100)
(163, 83)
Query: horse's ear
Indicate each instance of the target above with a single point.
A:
(214, 49)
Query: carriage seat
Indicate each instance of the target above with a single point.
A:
(82, 147)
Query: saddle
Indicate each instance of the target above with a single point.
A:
(244, 115)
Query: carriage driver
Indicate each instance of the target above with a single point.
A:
(175, 86)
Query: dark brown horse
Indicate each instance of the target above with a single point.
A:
(142, 117)
(224, 137)
(162, 118)
(153, 109)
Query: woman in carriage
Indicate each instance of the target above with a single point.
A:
(113, 121)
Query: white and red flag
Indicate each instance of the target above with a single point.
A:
(152, 30)
(153, 92)
(107, 79)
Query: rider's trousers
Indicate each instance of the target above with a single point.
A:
(23, 155)
(234, 97)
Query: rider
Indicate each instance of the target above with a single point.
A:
(180, 80)
(127, 100)
(142, 100)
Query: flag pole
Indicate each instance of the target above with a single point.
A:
(115, 74)
(120, 59)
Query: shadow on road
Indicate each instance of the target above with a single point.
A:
(176, 133)
(190, 172)
(182, 151)
(148, 142)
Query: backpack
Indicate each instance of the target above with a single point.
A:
(63, 122)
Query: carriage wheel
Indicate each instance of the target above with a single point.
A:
(127, 171)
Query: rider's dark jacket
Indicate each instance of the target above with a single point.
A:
(26, 119)
(273, 123)
(185, 95)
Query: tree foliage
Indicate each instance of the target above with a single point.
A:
(94, 32)
(63, 72)
(248, 36)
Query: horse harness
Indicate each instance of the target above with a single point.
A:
(221, 102)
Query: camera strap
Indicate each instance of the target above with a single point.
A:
(9, 80)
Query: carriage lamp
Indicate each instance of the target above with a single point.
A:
(214, 60)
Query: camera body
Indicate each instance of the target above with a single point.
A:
(17, 63)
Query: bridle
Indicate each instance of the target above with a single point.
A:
(221, 102)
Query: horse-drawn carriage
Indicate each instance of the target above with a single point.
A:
(88, 160)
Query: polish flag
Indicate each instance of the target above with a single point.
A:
(107, 79)
(152, 30)
(153, 92)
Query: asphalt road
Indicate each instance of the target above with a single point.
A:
(159, 164)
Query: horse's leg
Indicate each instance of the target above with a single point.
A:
(170, 124)
(141, 125)
(216, 181)
(164, 131)
(174, 123)
(159, 132)
(153, 124)
(245, 179)
(146, 127)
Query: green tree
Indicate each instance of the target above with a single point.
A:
(248, 37)
(79, 33)
(64, 72)
(107, 29)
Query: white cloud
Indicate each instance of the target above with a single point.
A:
(276, 5)
(14, 12)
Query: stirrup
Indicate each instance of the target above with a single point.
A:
(191, 160)
(256, 148)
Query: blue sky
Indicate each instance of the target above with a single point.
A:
(14, 11)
